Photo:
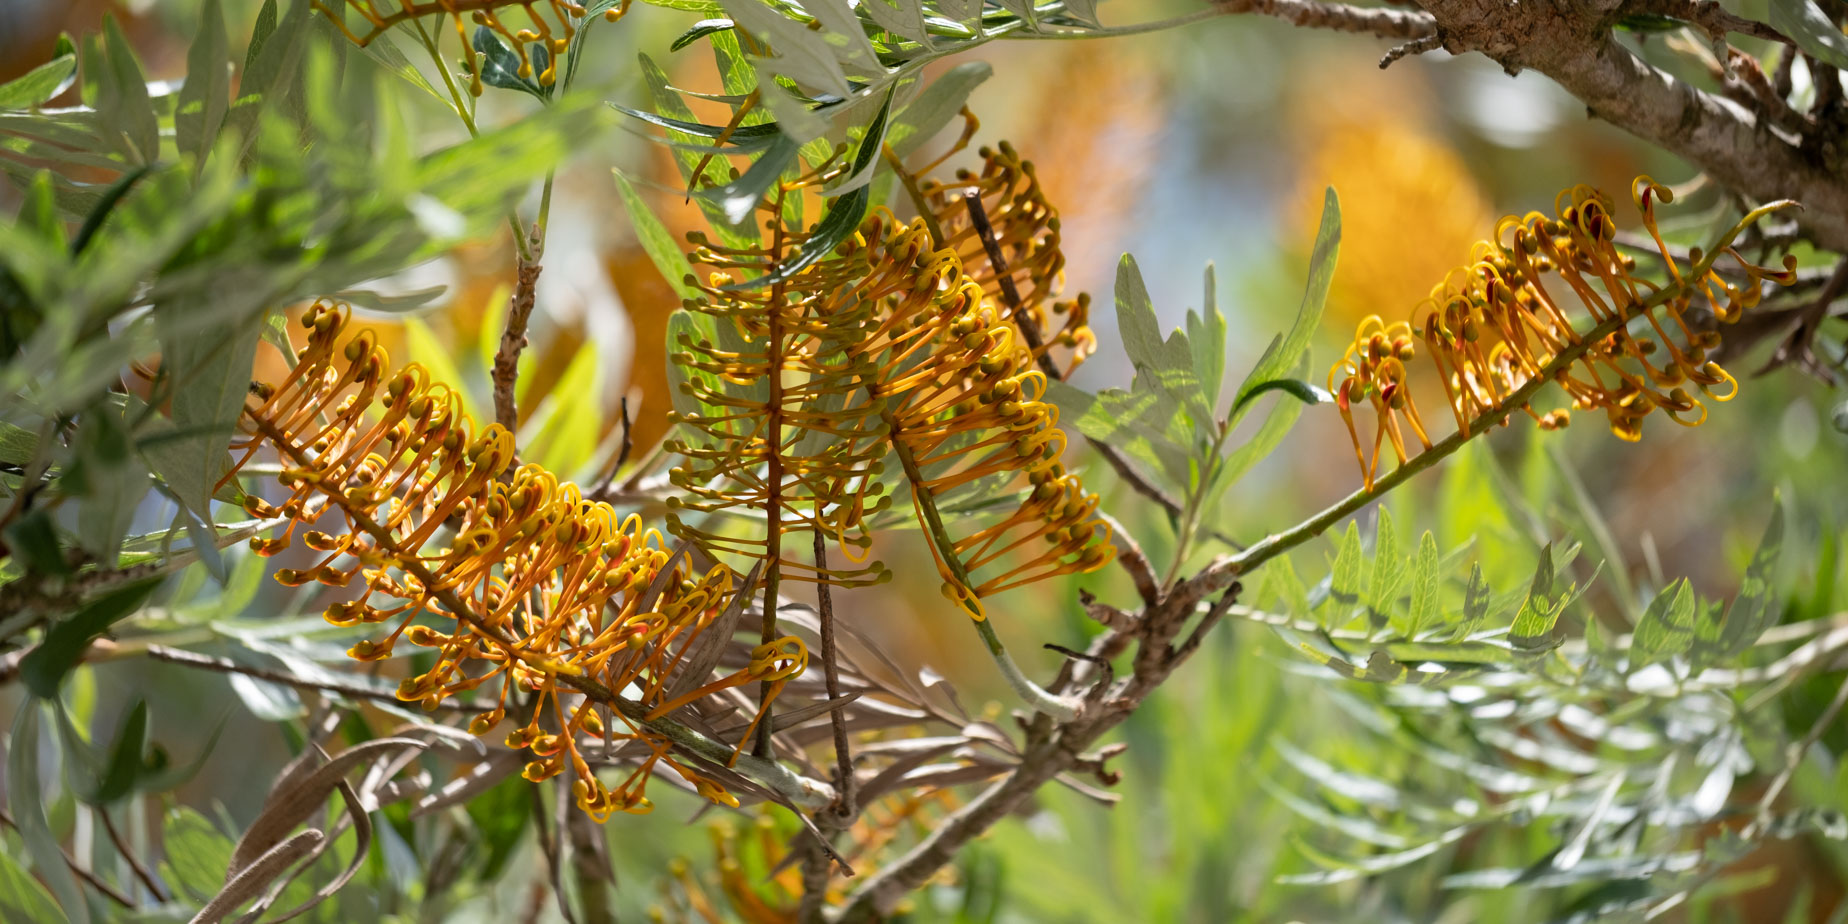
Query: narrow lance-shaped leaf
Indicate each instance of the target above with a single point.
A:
(1667, 628)
(844, 213)
(1539, 613)
(1344, 584)
(43, 82)
(205, 96)
(1423, 610)
(1388, 565)
(28, 810)
(1288, 352)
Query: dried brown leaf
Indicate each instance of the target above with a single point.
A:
(254, 876)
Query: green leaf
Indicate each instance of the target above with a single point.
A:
(1276, 426)
(843, 216)
(1285, 354)
(700, 30)
(1812, 29)
(42, 82)
(738, 199)
(127, 756)
(105, 204)
(18, 445)
(1290, 588)
(903, 18)
(1540, 611)
(1755, 608)
(260, 32)
(563, 430)
(197, 855)
(22, 898)
(1206, 334)
(422, 342)
(1423, 610)
(1295, 388)
(123, 103)
(1344, 577)
(655, 239)
(205, 97)
(1163, 367)
(803, 56)
(743, 139)
(210, 379)
(276, 54)
(110, 478)
(43, 668)
(933, 109)
(683, 127)
(500, 66)
(1131, 422)
(27, 807)
(1388, 565)
(1667, 628)
(204, 542)
(34, 542)
(38, 212)
(1476, 598)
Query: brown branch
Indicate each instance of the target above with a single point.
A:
(1571, 42)
(1050, 750)
(1340, 17)
(513, 340)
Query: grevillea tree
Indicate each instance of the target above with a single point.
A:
(509, 647)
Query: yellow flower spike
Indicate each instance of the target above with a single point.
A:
(1492, 326)
(404, 468)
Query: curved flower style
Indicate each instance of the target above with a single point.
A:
(535, 584)
(1001, 226)
(782, 403)
(961, 400)
(1493, 327)
(886, 345)
(481, 13)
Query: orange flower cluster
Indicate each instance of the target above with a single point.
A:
(963, 407)
(535, 582)
(886, 345)
(1023, 230)
(481, 13)
(1494, 326)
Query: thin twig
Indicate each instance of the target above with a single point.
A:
(227, 666)
(606, 483)
(831, 679)
(1416, 46)
(141, 871)
(513, 340)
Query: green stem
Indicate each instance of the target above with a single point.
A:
(468, 122)
(1060, 708)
